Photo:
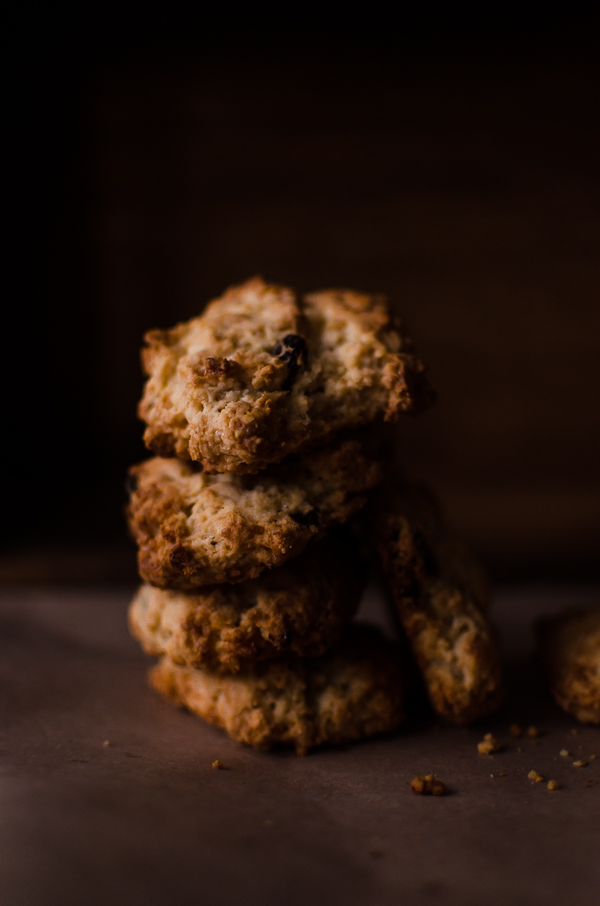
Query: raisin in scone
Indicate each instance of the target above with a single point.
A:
(571, 653)
(261, 374)
(299, 609)
(353, 691)
(441, 596)
(195, 529)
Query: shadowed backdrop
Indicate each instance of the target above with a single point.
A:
(463, 184)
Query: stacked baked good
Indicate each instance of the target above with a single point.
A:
(250, 578)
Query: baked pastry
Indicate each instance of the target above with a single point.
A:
(571, 653)
(261, 374)
(353, 691)
(299, 608)
(195, 529)
(441, 597)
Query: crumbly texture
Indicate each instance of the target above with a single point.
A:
(299, 608)
(261, 374)
(441, 598)
(488, 745)
(353, 691)
(428, 786)
(195, 529)
(571, 652)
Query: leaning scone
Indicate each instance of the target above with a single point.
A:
(299, 609)
(571, 653)
(353, 691)
(261, 374)
(441, 598)
(194, 529)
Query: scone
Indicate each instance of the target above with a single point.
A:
(353, 691)
(299, 608)
(261, 374)
(441, 597)
(195, 529)
(571, 652)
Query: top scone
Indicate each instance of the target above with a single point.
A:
(261, 374)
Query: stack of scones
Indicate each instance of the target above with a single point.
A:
(251, 577)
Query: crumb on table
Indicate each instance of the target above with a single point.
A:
(428, 786)
(554, 785)
(533, 732)
(515, 730)
(534, 775)
(488, 745)
(580, 763)
(218, 764)
(565, 753)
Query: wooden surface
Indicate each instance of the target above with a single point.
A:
(147, 821)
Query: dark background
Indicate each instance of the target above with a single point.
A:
(448, 160)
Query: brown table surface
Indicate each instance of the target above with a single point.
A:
(147, 820)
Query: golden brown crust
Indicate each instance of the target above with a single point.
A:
(440, 597)
(353, 691)
(261, 374)
(571, 653)
(195, 529)
(299, 609)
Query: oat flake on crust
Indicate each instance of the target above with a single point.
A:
(353, 691)
(299, 608)
(195, 529)
(261, 374)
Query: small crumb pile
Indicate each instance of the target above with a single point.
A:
(428, 786)
(488, 745)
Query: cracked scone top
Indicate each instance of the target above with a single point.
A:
(299, 609)
(261, 374)
(194, 529)
(353, 691)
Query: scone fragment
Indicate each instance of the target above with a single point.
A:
(195, 529)
(299, 608)
(571, 653)
(441, 597)
(261, 374)
(353, 691)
